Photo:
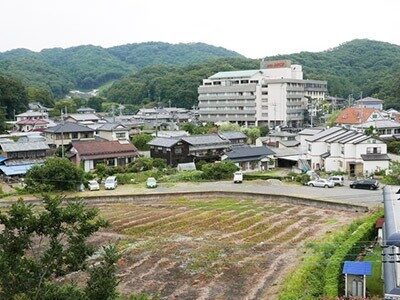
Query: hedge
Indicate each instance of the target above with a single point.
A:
(347, 250)
(320, 271)
(255, 176)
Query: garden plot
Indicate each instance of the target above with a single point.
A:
(220, 248)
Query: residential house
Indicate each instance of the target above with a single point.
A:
(65, 133)
(341, 149)
(85, 119)
(306, 133)
(386, 128)
(251, 158)
(357, 115)
(370, 102)
(235, 137)
(32, 115)
(164, 118)
(113, 132)
(18, 157)
(112, 153)
(173, 150)
(279, 139)
(28, 125)
(391, 243)
(36, 106)
(208, 147)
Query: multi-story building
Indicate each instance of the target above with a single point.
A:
(276, 94)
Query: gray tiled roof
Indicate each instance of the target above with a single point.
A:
(83, 117)
(232, 135)
(249, 152)
(28, 146)
(204, 139)
(234, 74)
(111, 127)
(374, 157)
(163, 142)
(69, 127)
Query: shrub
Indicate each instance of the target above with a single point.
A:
(219, 170)
(56, 174)
(140, 141)
(141, 164)
(193, 176)
(159, 163)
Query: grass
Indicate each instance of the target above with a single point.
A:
(375, 282)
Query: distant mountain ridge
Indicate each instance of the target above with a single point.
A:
(90, 66)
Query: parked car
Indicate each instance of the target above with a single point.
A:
(368, 184)
(151, 182)
(238, 177)
(110, 183)
(321, 183)
(338, 180)
(93, 185)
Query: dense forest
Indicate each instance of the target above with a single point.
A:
(366, 66)
(86, 67)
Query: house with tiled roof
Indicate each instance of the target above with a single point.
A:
(370, 102)
(251, 158)
(28, 125)
(357, 115)
(113, 132)
(65, 133)
(351, 151)
(175, 150)
(88, 154)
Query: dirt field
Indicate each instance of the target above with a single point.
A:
(212, 249)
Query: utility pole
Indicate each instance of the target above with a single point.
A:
(62, 134)
(113, 112)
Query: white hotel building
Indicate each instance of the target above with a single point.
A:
(273, 95)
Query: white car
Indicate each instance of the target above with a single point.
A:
(151, 182)
(238, 177)
(321, 183)
(110, 183)
(337, 180)
(93, 185)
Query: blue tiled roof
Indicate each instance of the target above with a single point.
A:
(357, 267)
(2, 158)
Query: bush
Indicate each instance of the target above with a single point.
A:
(140, 141)
(193, 176)
(266, 176)
(141, 164)
(159, 163)
(219, 170)
(56, 174)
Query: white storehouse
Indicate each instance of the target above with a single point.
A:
(340, 149)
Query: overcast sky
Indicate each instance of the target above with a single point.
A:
(251, 27)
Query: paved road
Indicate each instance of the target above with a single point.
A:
(338, 194)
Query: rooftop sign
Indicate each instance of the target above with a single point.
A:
(275, 64)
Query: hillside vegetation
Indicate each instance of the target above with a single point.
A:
(86, 67)
(358, 66)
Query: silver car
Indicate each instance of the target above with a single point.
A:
(321, 183)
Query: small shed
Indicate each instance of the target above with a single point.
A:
(355, 273)
(191, 166)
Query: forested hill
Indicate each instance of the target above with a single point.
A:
(86, 67)
(360, 65)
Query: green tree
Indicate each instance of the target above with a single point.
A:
(95, 103)
(56, 174)
(66, 105)
(252, 133)
(264, 130)
(13, 96)
(219, 171)
(141, 164)
(41, 95)
(37, 246)
(140, 141)
(227, 126)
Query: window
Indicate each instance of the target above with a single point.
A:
(178, 150)
(74, 135)
(342, 149)
(373, 150)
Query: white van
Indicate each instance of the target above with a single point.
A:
(238, 177)
(110, 183)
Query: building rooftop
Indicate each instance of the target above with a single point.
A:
(24, 146)
(68, 127)
(84, 117)
(163, 142)
(32, 113)
(357, 268)
(354, 115)
(204, 139)
(369, 100)
(103, 149)
(112, 127)
(232, 135)
(235, 74)
(385, 123)
(310, 131)
(248, 152)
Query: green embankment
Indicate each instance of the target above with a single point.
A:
(319, 273)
